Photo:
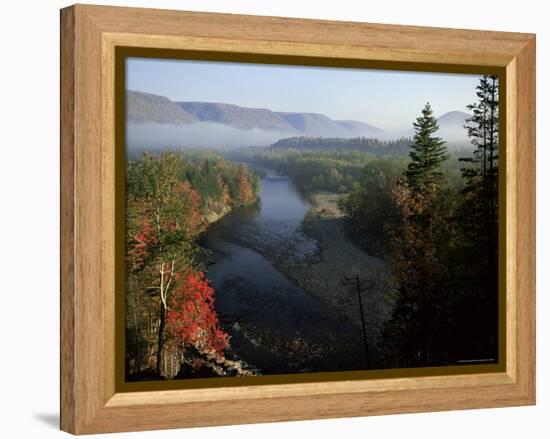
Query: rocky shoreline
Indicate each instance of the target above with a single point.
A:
(333, 274)
(331, 271)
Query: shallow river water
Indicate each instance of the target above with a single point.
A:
(275, 326)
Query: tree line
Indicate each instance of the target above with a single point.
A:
(171, 322)
(372, 146)
(339, 170)
(441, 241)
(334, 171)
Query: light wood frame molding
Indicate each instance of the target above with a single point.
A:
(89, 36)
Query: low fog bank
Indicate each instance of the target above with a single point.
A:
(141, 136)
(152, 135)
(453, 135)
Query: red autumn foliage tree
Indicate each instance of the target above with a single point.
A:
(246, 193)
(225, 197)
(193, 220)
(191, 317)
(419, 241)
(139, 248)
(168, 200)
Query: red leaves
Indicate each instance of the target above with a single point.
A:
(194, 219)
(165, 213)
(194, 196)
(246, 194)
(191, 317)
(139, 249)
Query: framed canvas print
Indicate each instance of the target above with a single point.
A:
(268, 219)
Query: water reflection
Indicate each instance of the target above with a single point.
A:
(275, 325)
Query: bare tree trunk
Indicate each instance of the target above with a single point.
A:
(165, 281)
(136, 335)
(160, 348)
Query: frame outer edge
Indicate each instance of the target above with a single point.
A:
(91, 329)
(83, 408)
(526, 219)
(67, 218)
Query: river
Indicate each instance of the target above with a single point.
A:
(275, 326)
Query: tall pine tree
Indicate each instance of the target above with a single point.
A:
(428, 152)
(482, 127)
(415, 335)
(480, 204)
(477, 216)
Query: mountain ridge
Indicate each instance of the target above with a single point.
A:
(453, 116)
(142, 107)
(148, 107)
(262, 125)
(237, 116)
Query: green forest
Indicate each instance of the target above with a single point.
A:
(334, 171)
(337, 170)
(375, 147)
(172, 326)
(442, 243)
(431, 213)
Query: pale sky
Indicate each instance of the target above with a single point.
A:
(387, 99)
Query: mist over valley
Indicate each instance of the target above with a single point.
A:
(156, 122)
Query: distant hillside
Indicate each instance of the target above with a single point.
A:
(451, 130)
(453, 118)
(221, 125)
(307, 124)
(373, 146)
(451, 127)
(147, 107)
(319, 125)
(362, 129)
(238, 117)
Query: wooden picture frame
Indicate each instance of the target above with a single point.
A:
(90, 36)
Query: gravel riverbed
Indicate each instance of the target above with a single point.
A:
(332, 273)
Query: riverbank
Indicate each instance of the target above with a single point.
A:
(332, 275)
(217, 212)
(274, 324)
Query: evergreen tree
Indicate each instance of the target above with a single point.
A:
(416, 335)
(479, 209)
(477, 218)
(428, 152)
(481, 176)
